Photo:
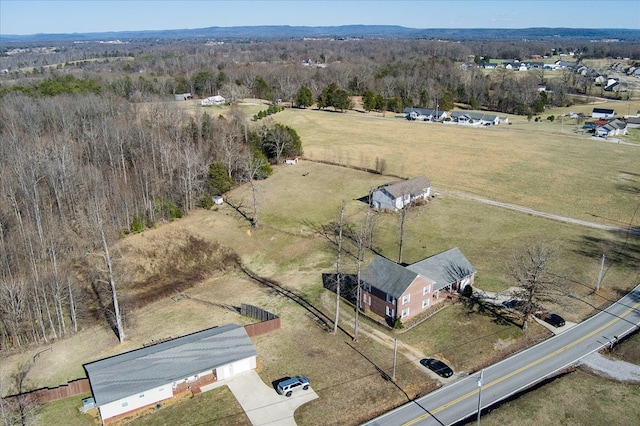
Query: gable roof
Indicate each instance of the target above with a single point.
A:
(388, 276)
(133, 372)
(424, 111)
(473, 115)
(444, 268)
(415, 186)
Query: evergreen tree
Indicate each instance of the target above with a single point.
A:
(304, 97)
(219, 180)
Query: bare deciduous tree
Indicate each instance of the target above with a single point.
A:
(340, 225)
(363, 240)
(531, 269)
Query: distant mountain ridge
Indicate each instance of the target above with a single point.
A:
(286, 32)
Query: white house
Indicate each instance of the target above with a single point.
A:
(213, 100)
(423, 114)
(147, 376)
(613, 128)
(396, 195)
(475, 118)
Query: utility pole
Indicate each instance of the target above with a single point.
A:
(480, 394)
(600, 274)
(395, 354)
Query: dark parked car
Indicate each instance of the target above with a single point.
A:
(437, 366)
(553, 319)
(514, 304)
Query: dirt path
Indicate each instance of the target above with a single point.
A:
(533, 212)
(412, 354)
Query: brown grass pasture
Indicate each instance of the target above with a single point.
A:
(578, 398)
(527, 163)
(521, 164)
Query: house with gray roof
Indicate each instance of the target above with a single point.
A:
(147, 376)
(397, 195)
(394, 291)
(474, 118)
(423, 114)
(633, 122)
(612, 128)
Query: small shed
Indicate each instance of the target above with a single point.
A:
(183, 96)
(291, 160)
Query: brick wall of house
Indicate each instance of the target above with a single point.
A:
(378, 302)
(416, 297)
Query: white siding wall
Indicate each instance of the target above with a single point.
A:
(133, 402)
(234, 368)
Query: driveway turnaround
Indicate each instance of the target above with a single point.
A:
(261, 403)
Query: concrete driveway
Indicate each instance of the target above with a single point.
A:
(260, 402)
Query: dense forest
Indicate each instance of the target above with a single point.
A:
(89, 154)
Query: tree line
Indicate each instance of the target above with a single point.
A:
(397, 73)
(79, 171)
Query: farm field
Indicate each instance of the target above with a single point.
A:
(537, 167)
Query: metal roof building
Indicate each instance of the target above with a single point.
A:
(144, 376)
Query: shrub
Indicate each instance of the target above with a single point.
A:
(206, 201)
(397, 325)
(137, 225)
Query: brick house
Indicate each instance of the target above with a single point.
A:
(395, 291)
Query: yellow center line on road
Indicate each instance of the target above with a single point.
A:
(521, 369)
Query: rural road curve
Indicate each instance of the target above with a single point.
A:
(539, 213)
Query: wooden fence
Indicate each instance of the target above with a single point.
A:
(44, 395)
(268, 321)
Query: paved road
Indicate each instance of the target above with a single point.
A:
(543, 214)
(459, 400)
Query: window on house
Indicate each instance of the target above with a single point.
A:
(390, 312)
(426, 303)
(405, 312)
(366, 287)
(141, 395)
(406, 298)
(390, 298)
(125, 403)
(426, 289)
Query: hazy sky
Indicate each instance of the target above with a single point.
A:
(82, 16)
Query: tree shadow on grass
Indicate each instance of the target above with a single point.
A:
(278, 288)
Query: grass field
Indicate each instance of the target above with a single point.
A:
(539, 167)
(526, 163)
